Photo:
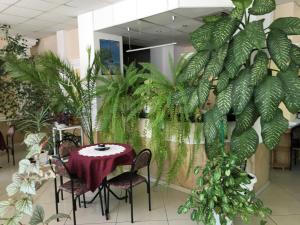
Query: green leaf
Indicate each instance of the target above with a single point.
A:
(211, 18)
(203, 91)
(291, 86)
(34, 138)
(24, 166)
(200, 38)
(57, 216)
(231, 65)
(243, 89)
(261, 7)
(279, 48)
(237, 13)
(223, 81)
(38, 216)
(25, 206)
(13, 188)
(244, 146)
(242, 3)
(259, 69)
(268, 95)
(195, 66)
(255, 33)
(15, 220)
(213, 149)
(272, 131)
(199, 95)
(210, 130)
(246, 40)
(246, 119)
(295, 54)
(3, 207)
(223, 30)
(224, 100)
(28, 187)
(197, 170)
(33, 150)
(216, 62)
(289, 25)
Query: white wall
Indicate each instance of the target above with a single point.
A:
(160, 58)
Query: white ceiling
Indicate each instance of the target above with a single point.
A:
(161, 28)
(40, 18)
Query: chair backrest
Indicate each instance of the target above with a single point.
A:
(59, 167)
(65, 147)
(142, 160)
(295, 136)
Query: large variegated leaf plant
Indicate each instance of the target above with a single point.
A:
(252, 68)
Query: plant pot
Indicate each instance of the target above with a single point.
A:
(229, 222)
(253, 182)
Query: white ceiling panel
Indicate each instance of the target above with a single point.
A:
(58, 1)
(83, 4)
(36, 4)
(138, 25)
(53, 17)
(67, 10)
(19, 11)
(197, 12)
(8, 2)
(9, 19)
(3, 6)
(186, 26)
(165, 18)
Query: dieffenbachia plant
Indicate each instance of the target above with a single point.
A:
(252, 69)
(22, 190)
(235, 55)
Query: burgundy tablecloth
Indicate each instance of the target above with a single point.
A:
(93, 170)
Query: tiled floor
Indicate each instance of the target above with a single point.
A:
(282, 196)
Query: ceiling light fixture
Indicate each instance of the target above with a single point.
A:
(151, 47)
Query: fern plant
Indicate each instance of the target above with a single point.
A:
(118, 116)
(169, 116)
(234, 56)
(64, 88)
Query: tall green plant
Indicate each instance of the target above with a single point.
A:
(118, 115)
(65, 89)
(169, 115)
(234, 55)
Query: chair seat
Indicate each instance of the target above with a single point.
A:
(79, 187)
(123, 180)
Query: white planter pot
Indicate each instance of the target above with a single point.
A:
(246, 186)
(229, 222)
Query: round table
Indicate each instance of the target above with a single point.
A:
(93, 166)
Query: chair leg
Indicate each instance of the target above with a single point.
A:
(7, 151)
(84, 202)
(79, 203)
(131, 204)
(74, 208)
(13, 155)
(126, 195)
(56, 197)
(149, 194)
(101, 202)
(61, 183)
(107, 198)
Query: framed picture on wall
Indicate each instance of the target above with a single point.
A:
(110, 56)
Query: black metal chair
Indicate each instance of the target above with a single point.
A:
(10, 142)
(74, 186)
(64, 148)
(295, 144)
(127, 180)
